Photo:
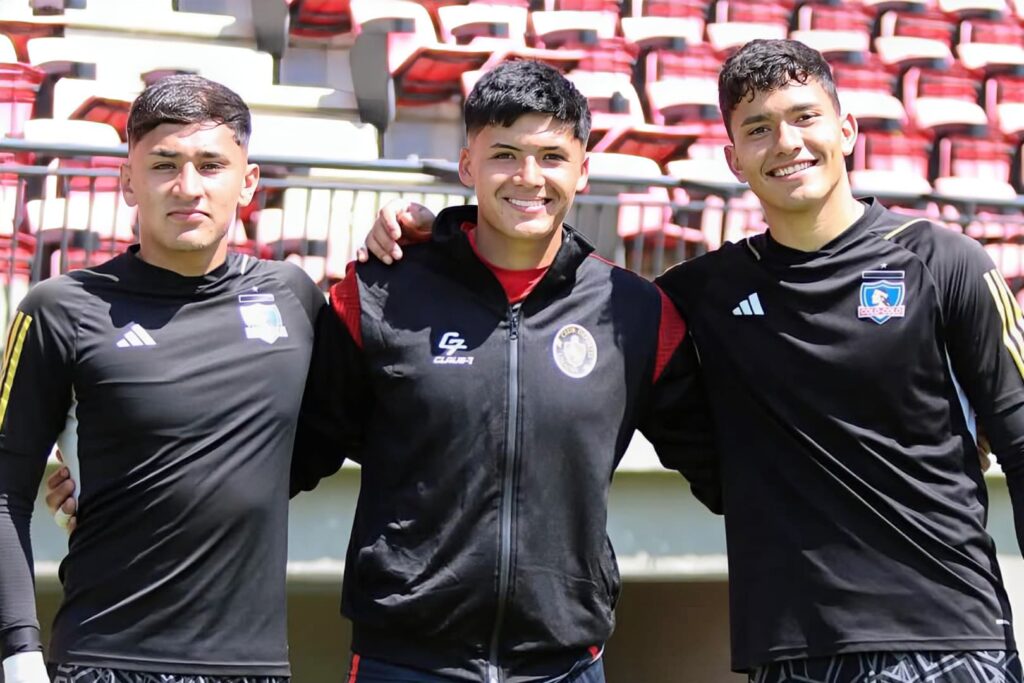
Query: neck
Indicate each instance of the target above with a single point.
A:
(186, 263)
(810, 230)
(517, 253)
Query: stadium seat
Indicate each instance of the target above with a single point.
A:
(318, 18)
(694, 61)
(832, 17)
(675, 33)
(462, 24)
(676, 100)
(847, 45)
(19, 86)
(669, 8)
(613, 101)
(873, 182)
(81, 206)
(1004, 102)
(873, 110)
(868, 73)
(399, 36)
(739, 21)
(729, 35)
(572, 28)
(895, 151)
(982, 165)
(962, 9)
(943, 99)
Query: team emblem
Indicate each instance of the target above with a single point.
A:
(262, 318)
(882, 295)
(575, 351)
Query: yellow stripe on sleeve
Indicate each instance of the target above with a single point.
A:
(12, 334)
(992, 278)
(11, 365)
(1012, 312)
(1018, 315)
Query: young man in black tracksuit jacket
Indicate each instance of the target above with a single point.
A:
(479, 550)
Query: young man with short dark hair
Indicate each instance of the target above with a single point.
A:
(479, 550)
(171, 377)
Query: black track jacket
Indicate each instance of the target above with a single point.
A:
(488, 434)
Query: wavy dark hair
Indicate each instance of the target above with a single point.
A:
(762, 66)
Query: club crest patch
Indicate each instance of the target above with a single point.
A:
(262, 318)
(882, 295)
(574, 351)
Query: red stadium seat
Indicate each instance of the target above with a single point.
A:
(462, 24)
(893, 151)
(962, 9)
(868, 73)
(113, 112)
(19, 86)
(315, 18)
(943, 100)
(573, 29)
(1004, 102)
(694, 61)
(674, 33)
(613, 100)
(675, 100)
(672, 8)
(739, 21)
(424, 71)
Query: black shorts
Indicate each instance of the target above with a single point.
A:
(995, 666)
(73, 673)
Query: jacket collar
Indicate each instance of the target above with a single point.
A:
(448, 234)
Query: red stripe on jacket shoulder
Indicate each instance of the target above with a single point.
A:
(671, 332)
(345, 302)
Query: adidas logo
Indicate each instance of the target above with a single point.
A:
(749, 306)
(135, 336)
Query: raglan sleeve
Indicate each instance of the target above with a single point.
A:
(984, 332)
(337, 399)
(35, 396)
(677, 419)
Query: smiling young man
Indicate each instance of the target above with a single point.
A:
(853, 349)
(479, 550)
(142, 369)
(848, 353)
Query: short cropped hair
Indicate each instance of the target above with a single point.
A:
(515, 88)
(762, 66)
(186, 99)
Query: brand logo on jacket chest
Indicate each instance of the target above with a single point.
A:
(451, 343)
(574, 351)
(882, 295)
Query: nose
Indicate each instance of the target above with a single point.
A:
(529, 172)
(788, 138)
(189, 181)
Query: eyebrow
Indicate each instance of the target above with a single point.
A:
(760, 118)
(550, 148)
(171, 154)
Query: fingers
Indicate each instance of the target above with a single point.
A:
(421, 218)
(65, 520)
(59, 488)
(381, 241)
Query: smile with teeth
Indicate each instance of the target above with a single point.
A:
(527, 203)
(790, 170)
